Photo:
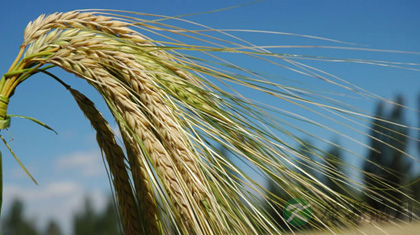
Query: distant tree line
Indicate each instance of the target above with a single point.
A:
(87, 221)
(386, 171)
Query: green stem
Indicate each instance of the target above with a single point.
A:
(39, 55)
(15, 72)
(22, 49)
(56, 78)
(20, 78)
(4, 102)
(43, 69)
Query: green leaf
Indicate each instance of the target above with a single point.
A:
(34, 120)
(17, 159)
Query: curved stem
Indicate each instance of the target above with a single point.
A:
(56, 78)
(44, 69)
(17, 80)
(22, 49)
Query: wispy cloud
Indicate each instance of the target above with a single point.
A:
(87, 163)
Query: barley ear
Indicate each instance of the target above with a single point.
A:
(115, 158)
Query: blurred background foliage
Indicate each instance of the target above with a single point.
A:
(86, 221)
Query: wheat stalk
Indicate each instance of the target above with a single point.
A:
(169, 113)
(115, 158)
(135, 121)
(74, 19)
(160, 117)
(144, 191)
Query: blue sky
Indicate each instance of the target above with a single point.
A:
(68, 165)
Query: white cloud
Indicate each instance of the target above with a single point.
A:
(41, 192)
(62, 188)
(87, 163)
